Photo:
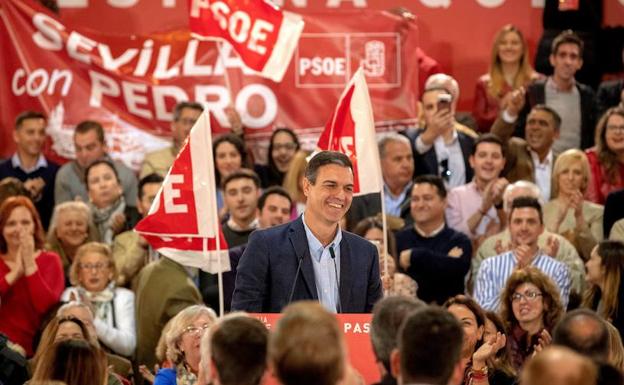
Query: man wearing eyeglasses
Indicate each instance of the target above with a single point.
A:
(525, 225)
(185, 114)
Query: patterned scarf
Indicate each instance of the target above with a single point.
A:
(184, 376)
(102, 218)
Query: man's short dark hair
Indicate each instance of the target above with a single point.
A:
(489, 138)
(430, 343)
(177, 110)
(239, 350)
(325, 158)
(554, 114)
(90, 125)
(585, 332)
(147, 179)
(273, 190)
(567, 37)
(524, 202)
(433, 180)
(243, 173)
(26, 115)
(388, 315)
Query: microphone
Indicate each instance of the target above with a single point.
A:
(292, 290)
(333, 257)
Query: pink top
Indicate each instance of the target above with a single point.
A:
(25, 303)
(462, 202)
(599, 186)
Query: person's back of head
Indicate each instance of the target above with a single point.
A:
(430, 342)
(585, 332)
(388, 316)
(76, 362)
(558, 365)
(307, 346)
(238, 349)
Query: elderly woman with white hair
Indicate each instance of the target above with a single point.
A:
(93, 275)
(568, 213)
(183, 345)
(71, 227)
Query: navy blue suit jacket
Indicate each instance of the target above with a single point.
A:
(267, 269)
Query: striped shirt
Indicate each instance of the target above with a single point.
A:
(494, 272)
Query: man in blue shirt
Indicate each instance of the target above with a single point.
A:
(311, 257)
(29, 165)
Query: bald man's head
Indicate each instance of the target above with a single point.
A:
(583, 331)
(558, 365)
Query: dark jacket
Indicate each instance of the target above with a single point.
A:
(267, 271)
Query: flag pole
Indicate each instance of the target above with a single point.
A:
(226, 75)
(384, 225)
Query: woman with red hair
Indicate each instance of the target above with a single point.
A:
(31, 280)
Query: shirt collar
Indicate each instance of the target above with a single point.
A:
(432, 234)
(536, 160)
(550, 83)
(234, 226)
(313, 242)
(41, 163)
(403, 192)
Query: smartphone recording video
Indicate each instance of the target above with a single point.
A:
(444, 102)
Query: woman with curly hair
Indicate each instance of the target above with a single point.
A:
(604, 275)
(530, 308)
(509, 69)
(606, 158)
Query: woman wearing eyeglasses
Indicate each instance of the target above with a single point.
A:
(182, 339)
(530, 308)
(31, 280)
(93, 275)
(606, 158)
(604, 275)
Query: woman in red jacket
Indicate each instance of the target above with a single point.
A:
(31, 280)
(509, 69)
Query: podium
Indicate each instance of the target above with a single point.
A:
(356, 329)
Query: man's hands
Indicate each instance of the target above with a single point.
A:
(35, 187)
(514, 101)
(441, 121)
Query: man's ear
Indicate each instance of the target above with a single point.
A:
(306, 186)
(395, 364)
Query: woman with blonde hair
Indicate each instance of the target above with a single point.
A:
(93, 275)
(293, 181)
(530, 308)
(606, 158)
(71, 227)
(604, 275)
(182, 345)
(616, 348)
(509, 69)
(568, 213)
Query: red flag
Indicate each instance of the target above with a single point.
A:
(351, 130)
(264, 36)
(183, 223)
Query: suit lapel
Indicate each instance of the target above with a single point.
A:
(346, 266)
(297, 236)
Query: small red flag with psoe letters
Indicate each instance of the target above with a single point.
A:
(351, 130)
(183, 222)
(264, 36)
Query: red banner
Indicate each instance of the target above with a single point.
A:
(131, 83)
(356, 328)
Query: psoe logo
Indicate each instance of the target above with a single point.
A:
(374, 62)
(328, 60)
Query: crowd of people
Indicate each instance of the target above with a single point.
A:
(501, 261)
